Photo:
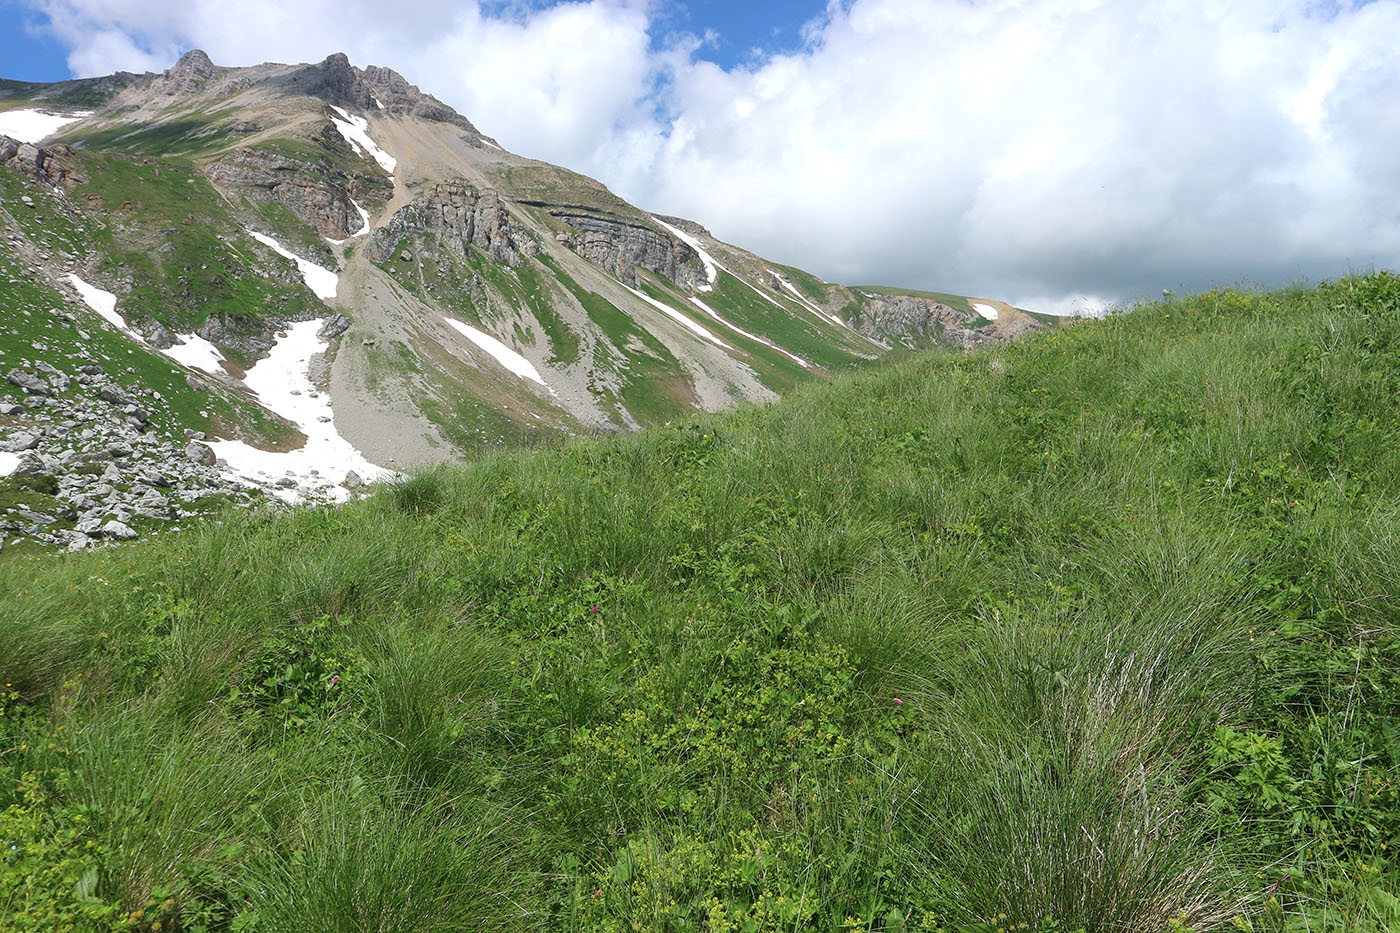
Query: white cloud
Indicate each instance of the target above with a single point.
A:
(1006, 148)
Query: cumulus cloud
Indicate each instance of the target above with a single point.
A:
(1051, 152)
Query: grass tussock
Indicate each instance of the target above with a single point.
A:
(1095, 632)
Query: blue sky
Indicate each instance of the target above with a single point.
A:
(28, 55)
(739, 31)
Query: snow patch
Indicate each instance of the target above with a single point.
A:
(802, 299)
(503, 354)
(680, 318)
(196, 353)
(322, 281)
(103, 302)
(987, 311)
(711, 267)
(712, 313)
(356, 133)
(487, 142)
(377, 102)
(8, 463)
(282, 384)
(30, 126)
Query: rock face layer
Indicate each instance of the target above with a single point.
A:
(459, 216)
(620, 246)
(42, 165)
(307, 190)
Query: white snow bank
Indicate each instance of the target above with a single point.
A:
(196, 353)
(356, 133)
(492, 145)
(767, 343)
(103, 302)
(364, 219)
(30, 126)
(8, 463)
(503, 354)
(711, 267)
(680, 318)
(320, 280)
(802, 299)
(377, 102)
(282, 384)
(987, 311)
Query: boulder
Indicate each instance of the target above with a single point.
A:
(119, 530)
(201, 454)
(28, 382)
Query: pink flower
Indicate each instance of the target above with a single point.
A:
(335, 680)
(898, 701)
(593, 608)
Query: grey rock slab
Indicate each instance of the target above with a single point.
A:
(119, 530)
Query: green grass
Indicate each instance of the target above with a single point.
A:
(655, 388)
(39, 324)
(799, 331)
(190, 136)
(1098, 631)
(168, 230)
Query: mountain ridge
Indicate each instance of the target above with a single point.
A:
(480, 299)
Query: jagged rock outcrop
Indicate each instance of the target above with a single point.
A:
(897, 316)
(339, 82)
(44, 165)
(241, 335)
(459, 216)
(304, 188)
(620, 245)
(191, 74)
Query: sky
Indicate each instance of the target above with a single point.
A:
(1059, 154)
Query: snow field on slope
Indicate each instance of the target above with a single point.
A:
(8, 463)
(711, 267)
(282, 384)
(739, 330)
(196, 353)
(103, 302)
(30, 126)
(322, 281)
(802, 299)
(987, 311)
(679, 318)
(356, 133)
(508, 358)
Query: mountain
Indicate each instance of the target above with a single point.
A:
(304, 277)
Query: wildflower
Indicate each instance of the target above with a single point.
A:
(335, 680)
(593, 608)
(898, 701)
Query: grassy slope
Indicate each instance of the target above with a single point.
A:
(1097, 630)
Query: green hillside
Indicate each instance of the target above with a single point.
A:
(1098, 631)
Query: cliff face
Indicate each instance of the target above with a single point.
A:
(47, 166)
(318, 194)
(619, 246)
(459, 216)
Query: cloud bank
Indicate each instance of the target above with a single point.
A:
(1050, 152)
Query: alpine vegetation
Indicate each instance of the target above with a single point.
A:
(1095, 631)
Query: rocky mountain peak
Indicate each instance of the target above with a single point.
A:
(374, 88)
(191, 73)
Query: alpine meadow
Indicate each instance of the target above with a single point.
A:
(399, 534)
